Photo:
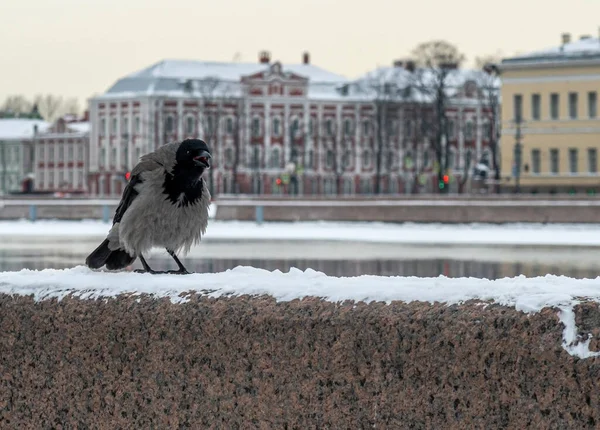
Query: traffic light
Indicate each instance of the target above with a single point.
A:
(443, 183)
(278, 181)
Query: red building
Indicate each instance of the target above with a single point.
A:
(61, 160)
(277, 128)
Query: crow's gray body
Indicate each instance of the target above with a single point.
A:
(151, 216)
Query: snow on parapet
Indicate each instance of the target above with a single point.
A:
(524, 294)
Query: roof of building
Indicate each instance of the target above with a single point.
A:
(168, 76)
(20, 128)
(582, 49)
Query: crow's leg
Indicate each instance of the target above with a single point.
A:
(146, 268)
(182, 270)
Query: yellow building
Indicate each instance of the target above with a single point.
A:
(555, 93)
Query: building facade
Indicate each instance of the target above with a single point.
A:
(17, 141)
(553, 96)
(288, 129)
(62, 154)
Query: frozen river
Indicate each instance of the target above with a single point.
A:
(336, 258)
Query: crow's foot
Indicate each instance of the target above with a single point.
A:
(179, 272)
(153, 272)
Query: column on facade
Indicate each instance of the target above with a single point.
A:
(478, 131)
(180, 119)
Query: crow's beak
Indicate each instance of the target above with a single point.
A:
(202, 159)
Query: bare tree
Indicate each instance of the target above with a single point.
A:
(213, 92)
(17, 104)
(489, 89)
(439, 59)
(415, 139)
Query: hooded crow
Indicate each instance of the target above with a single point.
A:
(165, 204)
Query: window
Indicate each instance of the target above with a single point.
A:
(451, 129)
(536, 102)
(114, 126)
(137, 124)
(366, 128)
(189, 125)
(51, 180)
(51, 153)
(61, 153)
(79, 152)
(592, 160)
(535, 161)
(275, 159)
(309, 159)
(329, 127)
(366, 186)
(138, 154)
(80, 179)
(125, 129)
(329, 159)
(554, 161)
(573, 105)
(256, 127)
(40, 153)
(367, 160)
(426, 159)
(348, 186)
(113, 156)
(102, 127)
(276, 127)
(228, 156)
(554, 106)
(70, 151)
(487, 131)
(295, 130)
(255, 157)
(70, 179)
(348, 127)
(229, 125)
(518, 106)
(311, 126)
(102, 157)
(169, 124)
(125, 155)
(573, 160)
(408, 129)
(347, 159)
(592, 104)
(469, 130)
(329, 186)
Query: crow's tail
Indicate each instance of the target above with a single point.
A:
(114, 260)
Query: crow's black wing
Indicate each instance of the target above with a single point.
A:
(129, 194)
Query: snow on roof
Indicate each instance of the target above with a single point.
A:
(586, 48)
(168, 76)
(79, 127)
(20, 128)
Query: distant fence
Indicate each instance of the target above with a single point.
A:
(422, 208)
(449, 209)
(66, 209)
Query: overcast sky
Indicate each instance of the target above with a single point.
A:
(77, 48)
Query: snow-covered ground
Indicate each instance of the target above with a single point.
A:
(524, 294)
(573, 235)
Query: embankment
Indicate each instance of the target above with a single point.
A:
(243, 362)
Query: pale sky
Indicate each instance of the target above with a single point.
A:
(77, 48)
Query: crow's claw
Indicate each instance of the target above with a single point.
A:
(153, 272)
(178, 272)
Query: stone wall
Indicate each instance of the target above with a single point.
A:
(416, 209)
(247, 363)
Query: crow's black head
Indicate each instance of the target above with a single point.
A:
(193, 154)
